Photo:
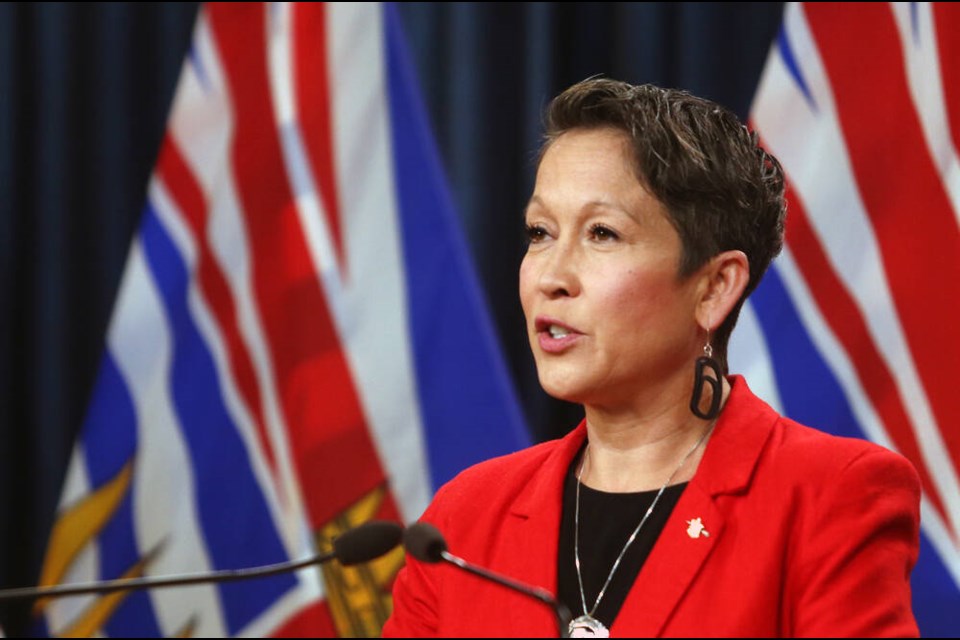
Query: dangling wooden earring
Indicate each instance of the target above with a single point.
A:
(706, 361)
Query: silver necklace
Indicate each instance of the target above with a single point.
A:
(586, 626)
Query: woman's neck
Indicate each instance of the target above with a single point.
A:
(638, 449)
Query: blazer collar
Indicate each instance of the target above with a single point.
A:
(739, 436)
(726, 467)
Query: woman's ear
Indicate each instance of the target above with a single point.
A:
(725, 278)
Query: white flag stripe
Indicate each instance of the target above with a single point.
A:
(310, 209)
(376, 321)
(749, 355)
(925, 80)
(828, 187)
(208, 158)
(76, 485)
(201, 119)
(308, 580)
(833, 353)
(164, 508)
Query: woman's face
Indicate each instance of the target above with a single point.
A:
(607, 313)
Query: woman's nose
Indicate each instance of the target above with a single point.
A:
(559, 275)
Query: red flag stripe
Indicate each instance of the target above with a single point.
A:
(915, 228)
(188, 196)
(848, 324)
(336, 459)
(312, 87)
(947, 25)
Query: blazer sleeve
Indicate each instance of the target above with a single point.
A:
(414, 604)
(858, 545)
(415, 590)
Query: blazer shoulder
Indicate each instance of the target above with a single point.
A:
(811, 451)
(500, 474)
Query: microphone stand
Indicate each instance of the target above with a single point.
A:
(560, 611)
(361, 544)
(225, 575)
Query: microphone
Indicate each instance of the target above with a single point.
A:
(361, 544)
(425, 543)
(367, 542)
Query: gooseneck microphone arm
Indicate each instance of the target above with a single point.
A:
(108, 586)
(425, 543)
(362, 544)
(542, 595)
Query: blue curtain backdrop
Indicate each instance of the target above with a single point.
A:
(84, 94)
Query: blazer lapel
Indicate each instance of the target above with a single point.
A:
(535, 517)
(685, 543)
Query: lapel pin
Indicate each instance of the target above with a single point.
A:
(696, 529)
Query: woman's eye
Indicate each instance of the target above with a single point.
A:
(535, 233)
(600, 232)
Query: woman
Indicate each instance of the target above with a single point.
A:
(682, 505)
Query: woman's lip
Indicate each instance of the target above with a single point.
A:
(543, 323)
(550, 344)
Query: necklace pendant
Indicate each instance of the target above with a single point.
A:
(587, 626)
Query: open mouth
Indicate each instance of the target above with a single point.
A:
(554, 336)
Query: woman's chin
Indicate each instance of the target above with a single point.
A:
(565, 388)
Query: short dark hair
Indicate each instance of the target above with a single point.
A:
(721, 189)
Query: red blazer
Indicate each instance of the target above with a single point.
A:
(809, 535)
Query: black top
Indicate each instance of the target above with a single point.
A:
(606, 522)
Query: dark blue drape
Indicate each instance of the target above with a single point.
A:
(84, 93)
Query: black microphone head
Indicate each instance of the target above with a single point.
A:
(367, 542)
(424, 542)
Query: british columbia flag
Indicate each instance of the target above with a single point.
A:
(854, 329)
(285, 359)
